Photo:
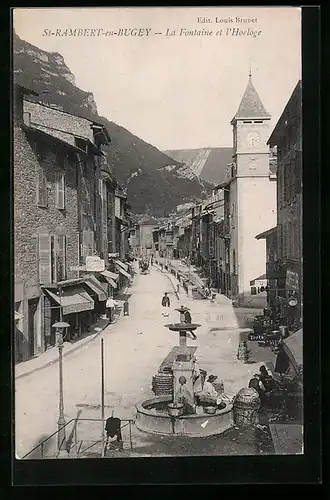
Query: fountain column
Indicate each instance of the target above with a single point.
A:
(184, 369)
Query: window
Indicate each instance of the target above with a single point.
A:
(42, 195)
(88, 243)
(247, 121)
(52, 258)
(298, 176)
(233, 215)
(117, 206)
(258, 121)
(45, 259)
(59, 190)
(60, 257)
(234, 262)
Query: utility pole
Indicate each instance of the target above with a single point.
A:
(61, 419)
(102, 393)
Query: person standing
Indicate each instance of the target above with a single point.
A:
(187, 319)
(166, 303)
(110, 305)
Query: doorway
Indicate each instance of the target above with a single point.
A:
(32, 326)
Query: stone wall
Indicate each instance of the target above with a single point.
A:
(31, 220)
(53, 118)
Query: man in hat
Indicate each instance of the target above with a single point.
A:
(199, 379)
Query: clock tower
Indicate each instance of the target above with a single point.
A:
(251, 199)
(250, 135)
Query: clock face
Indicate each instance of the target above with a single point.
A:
(252, 139)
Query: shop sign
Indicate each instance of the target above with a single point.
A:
(94, 263)
(292, 281)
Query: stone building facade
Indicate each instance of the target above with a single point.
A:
(287, 138)
(250, 197)
(56, 213)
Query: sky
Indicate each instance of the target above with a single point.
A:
(175, 92)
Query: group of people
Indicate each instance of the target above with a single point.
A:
(207, 391)
(264, 384)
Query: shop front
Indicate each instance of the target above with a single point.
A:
(94, 288)
(70, 303)
(110, 281)
(123, 271)
(19, 335)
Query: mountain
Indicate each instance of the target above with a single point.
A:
(207, 164)
(155, 182)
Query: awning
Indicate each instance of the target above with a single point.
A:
(107, 275)
(121, 264)
(73, 300)
(111, 275)
(293, 347)
(96, 286)
(18, 315)
(123, 272)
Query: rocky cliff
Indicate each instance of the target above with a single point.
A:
(155, 183)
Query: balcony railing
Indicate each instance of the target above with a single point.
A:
(80, 448)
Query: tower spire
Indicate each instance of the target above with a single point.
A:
(250, 70)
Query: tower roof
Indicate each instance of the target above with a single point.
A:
(251, 105)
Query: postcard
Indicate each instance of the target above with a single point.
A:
(157, 171)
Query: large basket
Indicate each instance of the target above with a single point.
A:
(162, 384)
(245, 407)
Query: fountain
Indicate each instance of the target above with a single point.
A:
(165, 414)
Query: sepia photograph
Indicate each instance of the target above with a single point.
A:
(157, 232)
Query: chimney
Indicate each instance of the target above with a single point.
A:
(46, 93)
(26, 118)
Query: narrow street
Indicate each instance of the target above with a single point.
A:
(134, 349)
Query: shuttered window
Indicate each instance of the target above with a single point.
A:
(45, 259)
(42, 200)
(59, 190)
(88, 243)
(60, 257)
(298, 172)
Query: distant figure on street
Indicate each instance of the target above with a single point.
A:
(166, 303)
(110, 305)
(187, 319)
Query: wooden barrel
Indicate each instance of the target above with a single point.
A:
(245, 407)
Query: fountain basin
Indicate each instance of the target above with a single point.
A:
(152, 417)
(182, 327)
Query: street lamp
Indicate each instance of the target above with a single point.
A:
(59, 328)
